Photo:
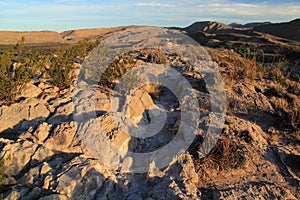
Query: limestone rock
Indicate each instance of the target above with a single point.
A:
(42, 154)
(102, 102)
(19, 156)
(80, 183)
(62, 138)
(63, 114)
(54, 197)
(30, 90)
(183, 169)
(20, 116)
(17, 194)
(45, 168)
(247, 99)
(139, 102)
(42, 132)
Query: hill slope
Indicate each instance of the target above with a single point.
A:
(34, 37)
(288, 30)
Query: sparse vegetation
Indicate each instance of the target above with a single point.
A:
(17, 67)
(122, 64)
(227, 154)
(282, 85)
(3, 176)
(154, 56)
(60, 68)
(237, 67)
(20, 65)
(116, 69)
(259, 137)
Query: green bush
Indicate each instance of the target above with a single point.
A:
(154, 56)
(60, 68)
(18, 66)
(61, 63)
(13, 75)
(116, 69)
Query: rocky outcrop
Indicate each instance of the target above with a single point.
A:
(44, 157)
(21, 116)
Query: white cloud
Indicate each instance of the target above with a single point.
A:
(56, 14)
(224, 5)
(257, 11)
(154, 5)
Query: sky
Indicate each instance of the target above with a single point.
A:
(61, 15)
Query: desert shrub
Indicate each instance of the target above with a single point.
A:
(293, 87)
(287, 108)
(280, 105)
(116, 69)
(19, 49)
(6, 85)
(79, 51)
(244, 51)
(3, 171)
(2, 175)
(60, 68)
(154, 56)
(227, 154)
(15, 71)
(237, 67)
(19, 65)
(277, 75)
(61, 63)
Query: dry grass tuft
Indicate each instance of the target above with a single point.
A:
(227, 154)
(154, 56)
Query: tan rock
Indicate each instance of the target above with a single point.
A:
(54, 197)
(45, 168)
(139, 102)
(42, 154)
(30, 90)
(44, 86)
(42, 132)
(19, 155)
(62, 138)
(17, 194)
(102, 102)
(183, 169)
(23, 115)
(63, 114)
(81, 182)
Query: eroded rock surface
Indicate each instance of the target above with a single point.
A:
(46, 159)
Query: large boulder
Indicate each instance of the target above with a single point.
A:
(20, 116)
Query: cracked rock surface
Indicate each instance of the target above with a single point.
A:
(45, 159)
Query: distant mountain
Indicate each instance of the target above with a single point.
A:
(206, 32)
(75, 35)
(208, 27)
(43, 37)
(34, 37)
(288, 30)
(274, 40)
(248, 25)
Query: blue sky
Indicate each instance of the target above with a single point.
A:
(60, 15)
